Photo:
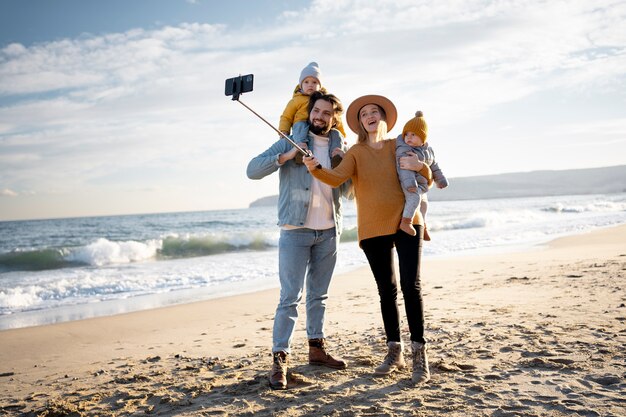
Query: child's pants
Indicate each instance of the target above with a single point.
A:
(414, 200)
(300, 132)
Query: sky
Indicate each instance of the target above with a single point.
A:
(118, 107)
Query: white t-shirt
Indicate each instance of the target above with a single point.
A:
(320, 215)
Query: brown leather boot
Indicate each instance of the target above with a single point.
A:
(407, 227)
(319, 356)
(278, 373)
(335, 161)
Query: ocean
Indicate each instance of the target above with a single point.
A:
(68, 269)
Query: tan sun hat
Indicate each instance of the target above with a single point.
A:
(352, 115)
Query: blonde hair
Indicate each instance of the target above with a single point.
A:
(363, 136)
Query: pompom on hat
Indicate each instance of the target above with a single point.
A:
(311, 70)
(417, 125)
(352, 114)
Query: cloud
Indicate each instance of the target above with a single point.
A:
(440, 42)
(7, 193)
(146, 108)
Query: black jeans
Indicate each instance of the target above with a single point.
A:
(379, 253)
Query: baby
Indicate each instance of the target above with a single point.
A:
(415, 184)
(295, 116)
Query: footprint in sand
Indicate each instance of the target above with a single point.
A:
(606, 380)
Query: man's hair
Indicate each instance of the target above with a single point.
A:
(332, 99)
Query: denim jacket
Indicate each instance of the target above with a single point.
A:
(294, 191)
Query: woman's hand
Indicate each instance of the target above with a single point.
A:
(411, 162)
(311, 162)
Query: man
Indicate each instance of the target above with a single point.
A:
(309, 215)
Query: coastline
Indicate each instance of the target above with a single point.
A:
(55, 271)
(545, 325)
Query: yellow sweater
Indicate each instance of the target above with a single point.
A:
(379, 198)
(297, 111)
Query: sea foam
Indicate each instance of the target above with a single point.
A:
(75, 265)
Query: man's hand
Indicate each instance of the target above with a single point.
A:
(284, 157)
(411, 162)
(337, 151)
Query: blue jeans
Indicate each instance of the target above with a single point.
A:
(310, 253)
(300, 132)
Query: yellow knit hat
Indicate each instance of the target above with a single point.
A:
(417, 125)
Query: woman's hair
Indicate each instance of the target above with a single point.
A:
(363, 136)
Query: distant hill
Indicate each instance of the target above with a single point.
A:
(604, 180)
(271, 200)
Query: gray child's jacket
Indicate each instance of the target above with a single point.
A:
(426, 155)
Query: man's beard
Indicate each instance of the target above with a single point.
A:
(319, 130)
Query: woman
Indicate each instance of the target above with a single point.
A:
(371, 164)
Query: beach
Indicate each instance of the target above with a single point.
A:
(537, 332)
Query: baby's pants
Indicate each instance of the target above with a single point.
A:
(300, 132)
(414, 200)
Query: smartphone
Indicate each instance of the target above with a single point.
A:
(239, 85)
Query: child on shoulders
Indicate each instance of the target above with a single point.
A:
(295, 116)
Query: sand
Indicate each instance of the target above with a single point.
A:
(540, 332)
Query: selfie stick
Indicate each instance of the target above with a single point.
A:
(238, 85)
(303, 151)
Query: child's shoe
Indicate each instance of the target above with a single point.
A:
(335, 160)
(406, 225)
